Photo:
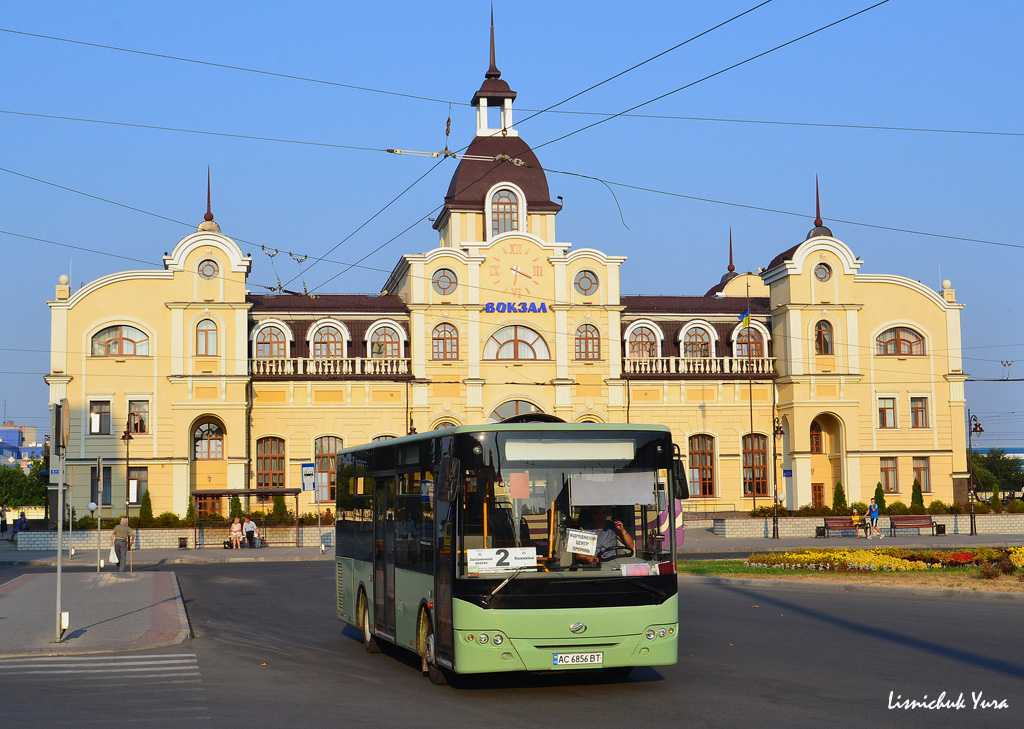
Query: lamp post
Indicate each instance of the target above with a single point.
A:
(127, 438)
(776, 432)
(973, 426)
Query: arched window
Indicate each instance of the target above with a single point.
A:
(823, 337)
(697, 343)
(385, 343)
(328, 343)
(643, 344)
(817, 445)
(271, 344)
(588, 342)
(511, 409)
(900, 341)
(269, 464)
(516, 342)
(445, 341)
(209, 442)
(382, 438)
(206, 338)
(325, 452)
(120, 341)
(702, 465)
(749, 343)
(755, 464)
(445, 424)
(504, 212)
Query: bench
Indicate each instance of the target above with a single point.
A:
(914, 521)
(844, 523)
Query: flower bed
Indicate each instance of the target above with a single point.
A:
(887, 560)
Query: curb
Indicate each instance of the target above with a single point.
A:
(846, 587)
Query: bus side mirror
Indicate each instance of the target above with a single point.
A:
(448, 481)
(679, 476)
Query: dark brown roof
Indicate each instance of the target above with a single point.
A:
(782, 257)
(641, 305)
(720, 286)
(473, 178)
(339, 304)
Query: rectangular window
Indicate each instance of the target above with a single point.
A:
(702, 465)
(326, 459)
(755, 465)
(138, 484)
(269, 465)
(138, 416)
(93, 495)
(817, 495)
(886, 412)
(209, 506)
(923, 474)
(887, 475)
(919, 412)
(99, 417)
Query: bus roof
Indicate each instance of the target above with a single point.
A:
(512, 427)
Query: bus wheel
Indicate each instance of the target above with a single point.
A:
(369, 642)
(438, 676)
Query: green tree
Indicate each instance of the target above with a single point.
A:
(280, 512)
(880, 498)
(146, 510)
(38, 483)
(916, 498)
(235, 507)
(190, 514)
(838, 499)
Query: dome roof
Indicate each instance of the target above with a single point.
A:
(474, 177)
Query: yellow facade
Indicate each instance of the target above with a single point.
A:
(502, 318)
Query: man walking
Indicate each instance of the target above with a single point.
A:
(873, 517)
(121, 540)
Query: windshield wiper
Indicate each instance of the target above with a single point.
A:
(655, 590)
(487, 598)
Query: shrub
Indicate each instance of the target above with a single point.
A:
(989, 572)
(1006, 566)
(169, 519)
(839, 499)
(938, 507)
(995, 497)
(190, 513)
(916, 498)
(957, 508)
(279, 514)
(897, 507)
(808, 510)
(146, 510)
(880, 497)
(1015, 507)
(767, 511)
(981, 508)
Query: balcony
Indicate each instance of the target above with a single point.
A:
(350, 368)
(698, 368)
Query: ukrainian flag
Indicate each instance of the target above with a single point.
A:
(745, 318)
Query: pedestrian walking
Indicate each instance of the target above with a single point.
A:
(121, 540)
(3, 521)
(873, 518)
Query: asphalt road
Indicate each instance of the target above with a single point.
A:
(269, 652)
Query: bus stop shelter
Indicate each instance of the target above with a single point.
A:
(201, 493)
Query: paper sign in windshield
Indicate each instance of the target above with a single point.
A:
(503, 559)
(578, 541)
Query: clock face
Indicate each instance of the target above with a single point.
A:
(515, 270)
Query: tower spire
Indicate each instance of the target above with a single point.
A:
(209, 213)
(493, 71)
(731, 266)
(817, 204)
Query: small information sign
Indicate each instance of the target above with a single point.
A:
(787, 473)
(308, 475)
(578, 541)
(503, 559)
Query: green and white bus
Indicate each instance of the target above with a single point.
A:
(513, 547)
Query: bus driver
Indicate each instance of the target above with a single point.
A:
(595, 519)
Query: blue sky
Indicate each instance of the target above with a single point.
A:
(908, 63)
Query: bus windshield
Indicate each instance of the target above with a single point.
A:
(564, 504)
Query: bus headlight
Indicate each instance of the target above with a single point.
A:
(662, 633)
(650, 634)
(483, 638)
(498, 640)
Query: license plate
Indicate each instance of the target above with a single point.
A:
(577, 659)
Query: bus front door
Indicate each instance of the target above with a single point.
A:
(384, 534)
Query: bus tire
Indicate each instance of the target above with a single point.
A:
(363, 611)
(438, 676)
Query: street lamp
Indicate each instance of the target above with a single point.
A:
(127, 438)
(973, 426)
(775, 477)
